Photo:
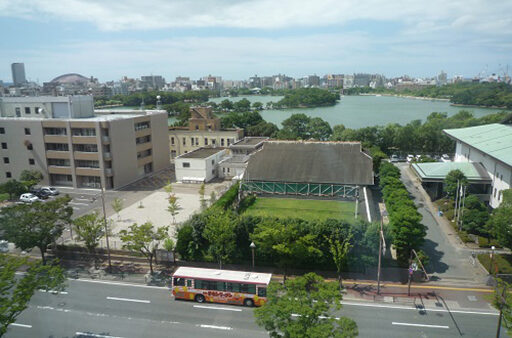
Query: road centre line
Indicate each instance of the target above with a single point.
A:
(21, 325)
(422, 325)
(118, 283)
(419, 309)
(226, 328)
(130, 300)
(54, 292)
(87, 334)
(217, 308)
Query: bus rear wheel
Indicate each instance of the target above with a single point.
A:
(200, 298)
(248, 302)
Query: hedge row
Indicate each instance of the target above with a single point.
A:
(405, 221)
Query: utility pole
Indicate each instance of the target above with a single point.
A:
(456, 199)
(411, 271)
(462, 210)
(502, 303)
(106, 227)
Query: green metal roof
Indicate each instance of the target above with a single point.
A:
(437, 171)
(493, 139)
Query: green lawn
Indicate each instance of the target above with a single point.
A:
(300, 208)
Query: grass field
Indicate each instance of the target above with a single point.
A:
(300, 208)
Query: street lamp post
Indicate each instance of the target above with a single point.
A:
(106, 228)
(491, 264)
(252, 246)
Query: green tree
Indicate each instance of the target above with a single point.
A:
(144, 239)
(226, 104)
(500, 220)
(16, 291)
(502, 300)
(202, 200)
(257, 106)
(37, 224)
(117, 206)
(168, 187)
(475, 215)
(173, 207)
(90, 229)
(287, 243)
(242, 105)
(319, 129)
(31, 177)
(295, 127)
(13, 188)
(304, 307)
(339, 249)
(220, 233)
(454, 179)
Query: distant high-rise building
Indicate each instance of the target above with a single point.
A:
(18, 73)
(442, 78)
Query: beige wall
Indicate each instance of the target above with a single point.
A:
(179, 134)
(17, 151)
(160, 140)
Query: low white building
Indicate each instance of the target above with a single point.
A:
(491, 146)
(199, 166)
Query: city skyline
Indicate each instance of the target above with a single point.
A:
(236, 40)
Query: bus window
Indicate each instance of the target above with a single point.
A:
(179, 281)
(189, 283)
(248, 288)
(262, 292)
(233, 287)
(209, 285)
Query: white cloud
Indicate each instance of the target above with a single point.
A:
(479, 15)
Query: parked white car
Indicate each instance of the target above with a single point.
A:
(445, 158)
(28, 198)
(410, 158)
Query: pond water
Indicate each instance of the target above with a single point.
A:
(363, 111)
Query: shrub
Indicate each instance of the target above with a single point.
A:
(228, 198)
(246, 203)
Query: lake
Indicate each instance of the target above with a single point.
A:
(364, 111)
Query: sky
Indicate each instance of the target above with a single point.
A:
(237, 39)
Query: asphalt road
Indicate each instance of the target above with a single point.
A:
(110, 309)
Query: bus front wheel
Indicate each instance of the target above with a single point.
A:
(200, 298)
(248, 302)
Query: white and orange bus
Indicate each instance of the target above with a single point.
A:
(220, 286)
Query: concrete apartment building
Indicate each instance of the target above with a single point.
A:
(203, 130)
(73, 147)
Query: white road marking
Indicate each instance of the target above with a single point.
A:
(21, 325)
(226, 328)
(52, 308)
(117, 283)
(217, 308)
(130, 300)
(93, 335)
(54, 292)
(422, 325)
(321, 317)
(416, 309)
(78, 203)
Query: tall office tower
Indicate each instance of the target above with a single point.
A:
(18, 73)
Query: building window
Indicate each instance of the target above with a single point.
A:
(31, 161)
(172, 140)
(83, 132)
(205, 141)
(197, 127)
(184, 141)
(224, 170)
(173, 153)
(2, 130)
(4, 145)
(494, 194)
(141, 125)
(36, 110)
(213, 162)
(27, 110)
(55, 131)
(222, 142)
(143, 139)
(197, 141)
(213, 141)
(29, 146)
(228, 141)
(87, 164)
(145, 153)
(6, 160)
(228, 170)
(86, 148)
(213, 171)
(192, 141)
(18, 111)
(59, 162)
(186, 165)
(8, 174)
(27, 131)
(57, 146)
